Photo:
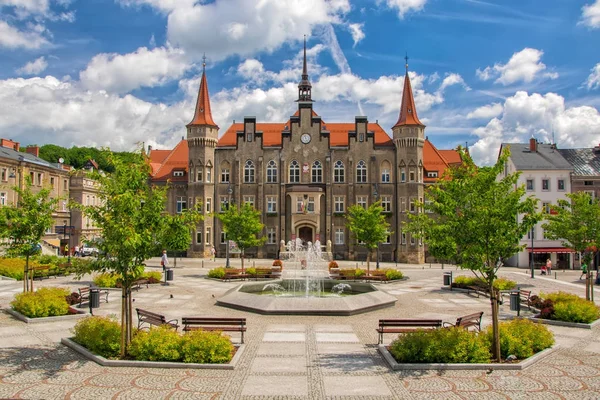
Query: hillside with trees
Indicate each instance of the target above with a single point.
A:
(78, 156)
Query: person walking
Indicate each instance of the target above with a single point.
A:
(213, 253)
(549, 266)
(164, 261)
(583, 270)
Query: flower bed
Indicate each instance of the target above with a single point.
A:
(565, 307)
(110, 280)
(465, 282)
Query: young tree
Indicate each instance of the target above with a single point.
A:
(132, 218)
(25, 223)
(369, 227)
(175, 235)
(242, 226)
(577, 224)
(479, 217)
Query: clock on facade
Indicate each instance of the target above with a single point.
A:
(305, 138)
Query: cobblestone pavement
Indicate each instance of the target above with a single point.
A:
(294, 357)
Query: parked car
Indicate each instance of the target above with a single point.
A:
(88, 251)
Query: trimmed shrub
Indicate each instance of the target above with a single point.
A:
(45, 302)
(14, 267)
(277, 263)
(558, 297)
(206, 347)
(158, 344)
(106, 280)
(579, 310)
(359, 272)
(100, 335)
(499, 283)
(452, 345)
(333, 264)
(521, 338)
(251, 271)
(504, 284)
(393, 274)
(50, 260)
(152, 276)
(218, 273)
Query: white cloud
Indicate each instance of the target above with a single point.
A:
(523, 66)
(538, 115)
(33, 67)
(144, 68)
(593, 81)
(356, 30)
(13, 38)
(486, 112)
(404, 6)
(27, 6)
(453, 79)
(161, 5)
(590, 15)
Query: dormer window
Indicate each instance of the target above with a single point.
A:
(361, 137)
(249, 136)
(178, 173)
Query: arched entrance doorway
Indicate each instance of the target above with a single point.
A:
(306, 234)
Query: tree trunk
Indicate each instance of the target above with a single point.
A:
(129, 315)
(123, 321)
(496, 331)
(369, 262)
(31, 273)
(26, 275)
(242, 257)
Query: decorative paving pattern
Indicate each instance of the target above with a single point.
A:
(292, 357)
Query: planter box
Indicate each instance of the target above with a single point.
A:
(151, 364)
(566, 324)
(80, 314)
(396, 366)
(6, 278)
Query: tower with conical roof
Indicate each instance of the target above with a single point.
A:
(202, 138)
(409, 139)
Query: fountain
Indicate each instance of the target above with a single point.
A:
(305, 288)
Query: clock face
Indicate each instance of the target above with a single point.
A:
(305, 138)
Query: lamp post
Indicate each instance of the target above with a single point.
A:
(229, 192)
(376, 194)
(65, 234)
(532, 265)
(70, 227)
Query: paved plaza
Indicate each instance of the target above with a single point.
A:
(294, 357)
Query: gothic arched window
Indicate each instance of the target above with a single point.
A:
(249, 172)
(338, 172)
(272, 172)
(317, 172)
(294, 172)
(361, 172)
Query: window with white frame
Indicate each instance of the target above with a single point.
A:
(361, 201)
(339, 175)
(4, 175)
(249, 172)
(339, 235)
(271, 204)
(249, 136)
(386, 203)
(310, 207)
(411, 175)
(403, 205)
(224, 175)
(3, 198)
(223, 237)
(361, 172)
(402, 174)
(199, 237)
(181, 204)
(388, 238)
(338, 202)
(385, 175)
(178, 173)
(272, 172)
(561, 185)
(271, 236)
(300, 206)
(529, 185)
(40, 178)
(199, 174)
(403, 238)
(199, 204)
(208, 205)
(432, 174)
(317, 172)
(413, 206)
(208, 235)
(248, 200)
(294, 172)
(224, 203)
(208, 174)
(545, 184)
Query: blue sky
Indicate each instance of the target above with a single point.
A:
(119, 72)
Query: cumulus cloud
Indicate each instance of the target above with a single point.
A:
(453, 79)
(404, 6)
(538, 115)
(143, 68)
(523, 66)
(593, 81)
(356, 30)
(33, 67)
(13, 38)
(486, 112)
(590, 15)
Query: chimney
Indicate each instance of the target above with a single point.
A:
(597, 149)
(35, 150)
(533, 145)
(9, 143)
(149, 149)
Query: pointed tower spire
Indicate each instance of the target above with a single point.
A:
(202, 115)
(304, 87)
(408, 111)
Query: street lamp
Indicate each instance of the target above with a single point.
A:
(532, 265)
(376, 194)
(229, 192)
(65, 234)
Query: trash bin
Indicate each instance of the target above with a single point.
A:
(94, 298)
(515, 301)
(169, 274)
(447, 278)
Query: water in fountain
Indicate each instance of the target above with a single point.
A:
(275, 288)
(305, 268)
(340, 288)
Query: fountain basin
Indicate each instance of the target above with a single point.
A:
(365, 297)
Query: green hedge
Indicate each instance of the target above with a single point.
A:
(217, 273)
(100, 335)
(567, 307)
(393, 274)
(111, 280)
(499, 283)
(521, 338)
(45, 302)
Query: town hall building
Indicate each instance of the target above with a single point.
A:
(302, 175)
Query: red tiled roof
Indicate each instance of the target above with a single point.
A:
(451, 156)
(408, 111)
(203, 116)
(164, 165)
(433, 161)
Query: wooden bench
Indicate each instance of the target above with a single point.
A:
(376, 276)
(525, 297)
(150, 318)
(232, 273)
(263, 273)
(467, 321)
(214, 324)
(84, 294)
(347, 274)
(406, 325)
(137, 284)
(41, 272)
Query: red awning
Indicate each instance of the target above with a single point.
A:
(550, 250)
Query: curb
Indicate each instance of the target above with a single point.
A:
(80, 314)
(396, 366)
(150, 364)
(566, 324)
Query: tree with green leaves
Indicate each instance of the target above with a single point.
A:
(577, 224)
(242, 225)
(24, 224)
(175, 235)
(132, 218)
(369, 227)
(479, 217)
